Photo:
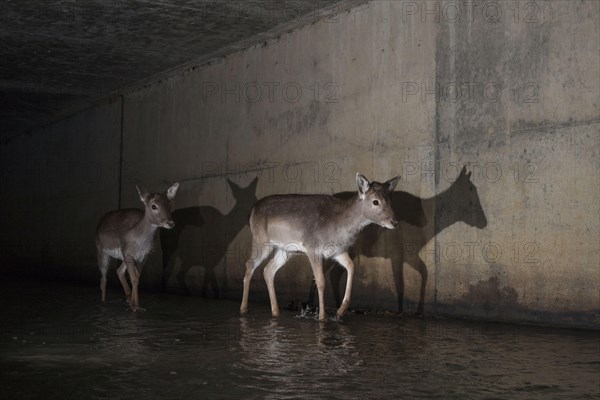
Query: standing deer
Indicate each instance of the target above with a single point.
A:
(128, 235)
(321, 226)
(420, 221)
(202, 235)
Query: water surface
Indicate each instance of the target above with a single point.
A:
(58, 341)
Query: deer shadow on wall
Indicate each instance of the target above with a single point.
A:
(201, 237)
(420, 221)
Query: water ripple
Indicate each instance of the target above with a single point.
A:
(72, 346)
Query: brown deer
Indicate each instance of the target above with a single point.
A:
(321, 226)
(128, 235)
(420, 221)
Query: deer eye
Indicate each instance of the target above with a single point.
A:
(375, 202)
(154, 207)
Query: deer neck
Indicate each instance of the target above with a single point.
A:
(351, 220)
(145, 229)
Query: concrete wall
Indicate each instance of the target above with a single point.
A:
(385, 88)
(308, 110)
(535, 138)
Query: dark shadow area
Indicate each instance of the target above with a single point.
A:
(420, 221)
(201, 237)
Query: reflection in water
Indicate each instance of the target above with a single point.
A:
(59, 342)
(288, 356)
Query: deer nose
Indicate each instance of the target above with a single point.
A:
(169, 224)
(395, 222)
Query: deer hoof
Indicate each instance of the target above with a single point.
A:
(337, 318)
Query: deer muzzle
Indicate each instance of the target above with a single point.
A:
(390, 223)
(169, 224)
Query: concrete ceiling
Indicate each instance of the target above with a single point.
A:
(59, 55)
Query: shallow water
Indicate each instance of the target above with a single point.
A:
(59, 342)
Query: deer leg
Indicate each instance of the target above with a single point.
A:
(345, 261)
(134, 277)
(335, 277)
(316, 262)
(121, 274)
(103, 262)
(271, 269)
(253, 262)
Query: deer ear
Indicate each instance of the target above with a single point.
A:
(391, 184)
(363, 185)
(143, 194)
(172, 191)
